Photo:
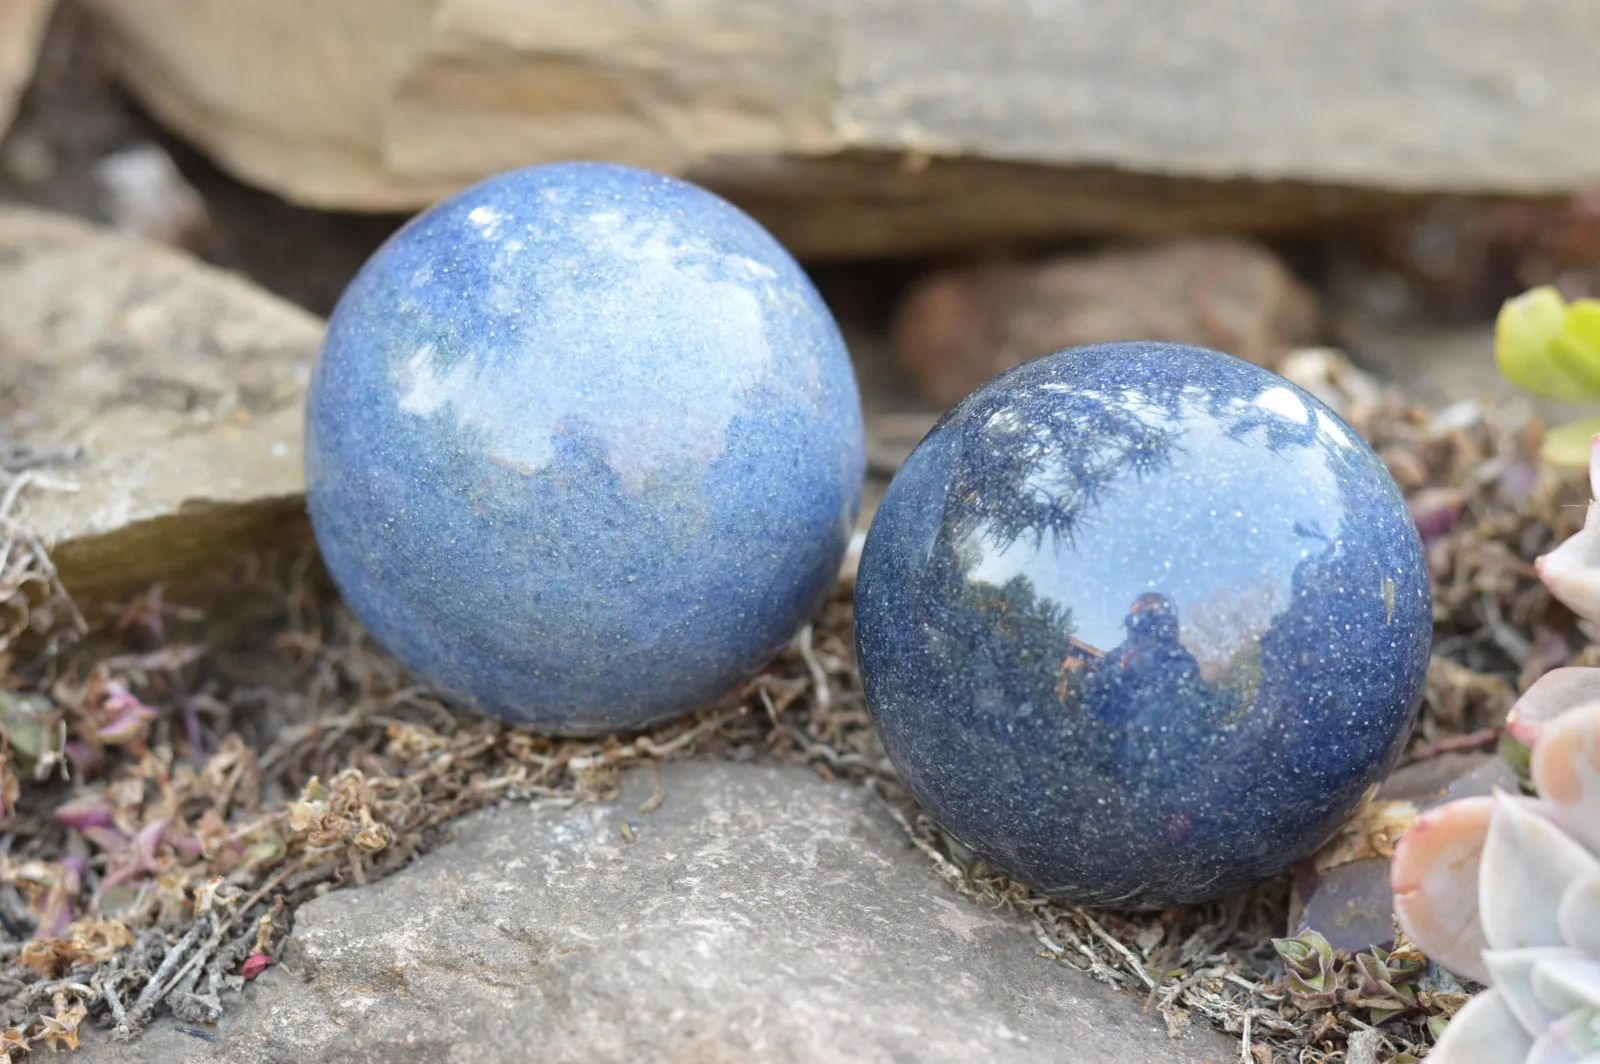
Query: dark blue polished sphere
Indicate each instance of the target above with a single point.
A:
(583, 446)
(1140, 623)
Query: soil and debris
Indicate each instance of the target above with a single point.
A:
(176, 782)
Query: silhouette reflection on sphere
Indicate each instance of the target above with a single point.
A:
(1140, 623)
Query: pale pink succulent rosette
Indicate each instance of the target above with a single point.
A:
(1506, 889)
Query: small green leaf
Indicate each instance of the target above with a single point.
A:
(1310, 974)
(1568, 445)
(24, 719)
(269, 850)
(1544, 346)
(1520, 759)
(1309, 954)
(1577, 348)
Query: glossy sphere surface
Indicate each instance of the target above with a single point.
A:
(1139, 623)
(584, 446)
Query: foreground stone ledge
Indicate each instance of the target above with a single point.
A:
(758, 913)
(22, 28)
(179, 386)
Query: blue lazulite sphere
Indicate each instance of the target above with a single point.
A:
(583, 447)
(1140, 623)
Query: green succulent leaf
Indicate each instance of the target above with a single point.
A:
(269, 850)
(1382, 982)
(1380, 1016)
(1576, 349)
(1311, 970)
(23, 719)
(1549, 347)
(1568, 445)
(1312, 996)
(1309, 955)
(1401, 965)
(1520, 759)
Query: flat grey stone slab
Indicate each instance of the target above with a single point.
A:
(758, 913)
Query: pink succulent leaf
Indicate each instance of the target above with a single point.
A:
(1435, 877)
(1572, 570)
(127, 716)
(188, 844)
(254, 965)
(1564, 981)
(1548, 651)
(1577, 919)
(1566, 771)
(1527, 865)
(1594, 466)
(85, 758)
(86, 811)
(1518, 481)
(1555, 694)
(1570, 1040)
(1513, 973)
(137, 857)
(118, 699)
(148, 840)
(1435, 511)
(56, 925)
(1549, 1050)
(1484, 1032)
(108, 839)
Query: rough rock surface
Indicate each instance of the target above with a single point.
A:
(757, 914)
(959, 327)
(1440, 778)
(790, 105)
(181, 385)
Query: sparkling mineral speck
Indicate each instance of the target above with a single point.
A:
(583, 446)
(1140, 623)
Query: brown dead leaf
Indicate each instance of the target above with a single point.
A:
(86, 941)
(45, 956)
(96, 939)
(10, 783)
(1372, 832)
(60, 1030)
